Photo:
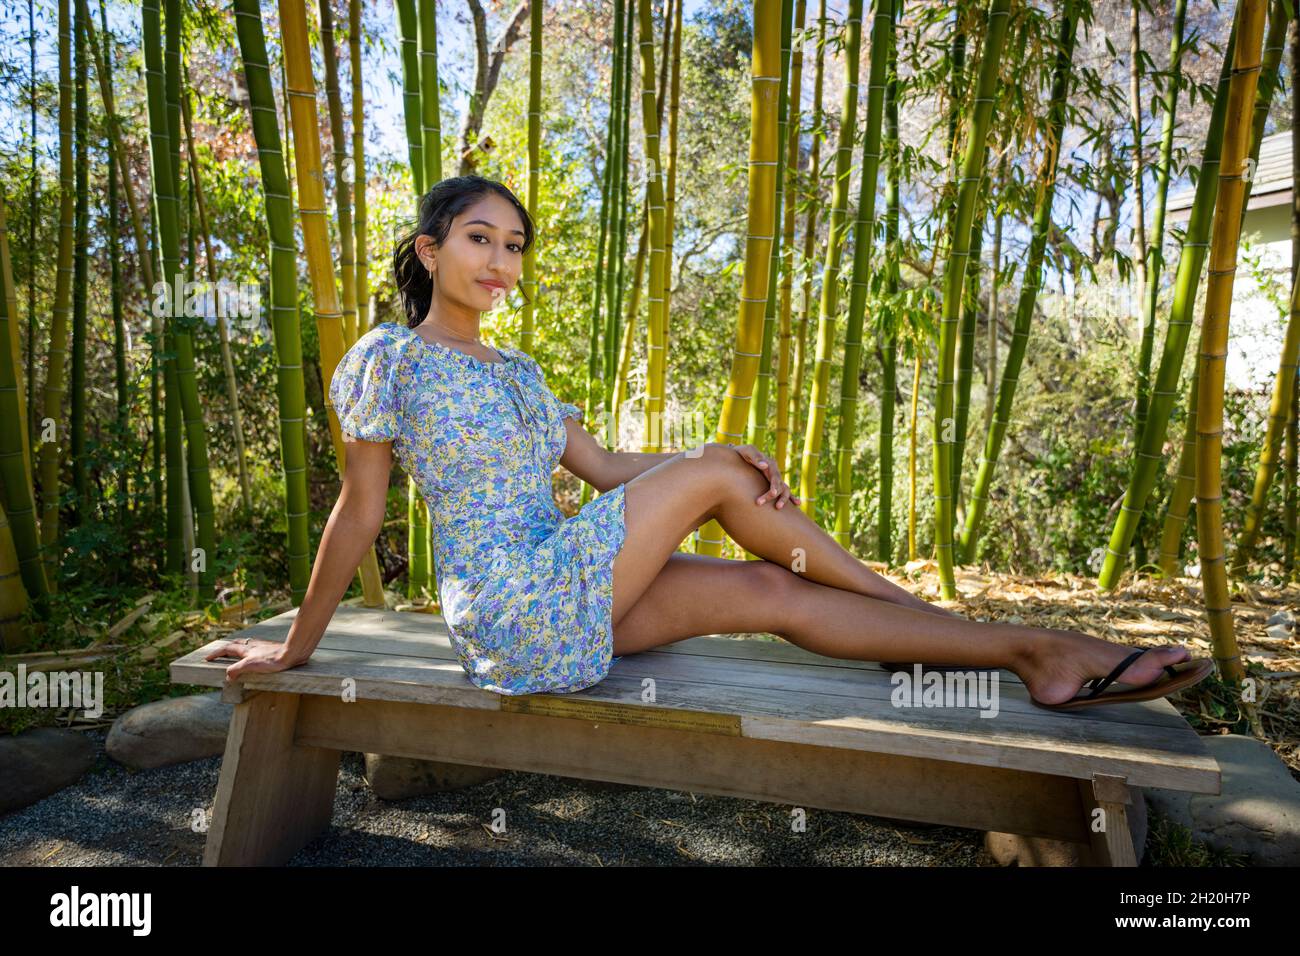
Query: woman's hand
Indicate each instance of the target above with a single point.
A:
(255, 657)
(779, 490)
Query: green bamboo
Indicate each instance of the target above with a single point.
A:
(52, 433)
(654, 184)
(172, 17)
(1180, 496)
(889, 323)
(528, 278)
(430, 119)
(954, 285)
(229, 376)
(80, 279)
(608, 285)
(27, 379)
(1195, 243)
(616, 332)
(1155, 261)
(162, 152)
(670, 195)
(966, 337)
(829, 308)
(599, 366)
(864, 240)
(1033, 276)
(282, 254)
(421, 107)
(803, 298)
(785, 351)
(114, 256)
(1289, 534)
(408, 29)
(16, 492)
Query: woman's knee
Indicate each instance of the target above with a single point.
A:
(775, 589)
(734, 477)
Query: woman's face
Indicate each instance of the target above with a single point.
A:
(482, 257)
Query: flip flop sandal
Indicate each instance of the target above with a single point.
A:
(1181, 675)
(943, 668)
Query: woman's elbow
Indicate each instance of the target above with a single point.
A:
(598, 472)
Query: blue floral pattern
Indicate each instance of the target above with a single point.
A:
(526, 592)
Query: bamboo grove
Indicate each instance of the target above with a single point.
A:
(894, 255)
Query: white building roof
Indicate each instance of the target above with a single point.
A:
(1272, 183)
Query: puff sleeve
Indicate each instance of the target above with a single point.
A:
(364, 389)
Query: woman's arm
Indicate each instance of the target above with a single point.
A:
(626, 465)
(352, 528)
(589, 460)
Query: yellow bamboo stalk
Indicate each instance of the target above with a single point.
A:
(763, 145)
(300, 87)
(1214, 336)
(359, 168)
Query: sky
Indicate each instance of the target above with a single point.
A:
(382, 79)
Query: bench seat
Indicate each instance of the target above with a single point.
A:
(751, 718)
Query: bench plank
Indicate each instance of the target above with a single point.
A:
(798, 698)
(425, 636)
(856, 781)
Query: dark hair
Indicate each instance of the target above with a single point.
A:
(438, 207)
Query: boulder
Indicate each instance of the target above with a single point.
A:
(171, 731)
(1258, 811)
(39, 762)
(395, 778)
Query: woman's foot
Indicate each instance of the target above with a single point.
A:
(1058, 666)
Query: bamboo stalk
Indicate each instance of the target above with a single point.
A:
(764, 148)
(1214, 340)
(301, 93)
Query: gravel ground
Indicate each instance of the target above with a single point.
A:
(119, 817)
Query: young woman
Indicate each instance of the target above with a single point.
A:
(535, 602)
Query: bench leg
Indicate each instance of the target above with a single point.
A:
(1113, 845)
(273, 795)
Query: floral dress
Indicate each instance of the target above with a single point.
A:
(526, 593)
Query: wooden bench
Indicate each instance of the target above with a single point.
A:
(757, 719)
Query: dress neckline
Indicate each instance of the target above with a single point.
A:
(464, 357)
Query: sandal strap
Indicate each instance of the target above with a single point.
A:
(1100, 684)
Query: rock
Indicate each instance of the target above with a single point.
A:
(395, 778)
(1012, 849)
(171, 731)
(39, 762)
(1258, 812)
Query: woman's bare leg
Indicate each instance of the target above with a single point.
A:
(823, 611)
(666, 503)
